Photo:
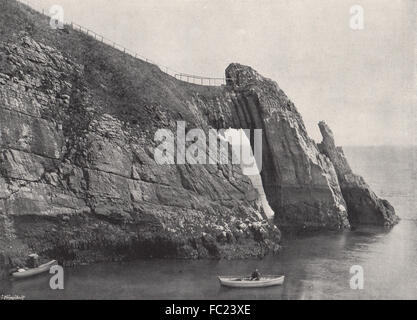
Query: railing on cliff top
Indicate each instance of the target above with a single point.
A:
(190, 78)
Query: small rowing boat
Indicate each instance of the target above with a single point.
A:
(245, 282)
(25, 273)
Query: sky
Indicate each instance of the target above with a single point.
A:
(361, 82)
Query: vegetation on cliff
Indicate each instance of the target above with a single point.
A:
(78, 180)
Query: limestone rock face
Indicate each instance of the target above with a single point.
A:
(78, 179)
(300, 183)
(364, 206)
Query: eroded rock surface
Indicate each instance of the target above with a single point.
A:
(78, 182)
(300, 183)
(364, 206)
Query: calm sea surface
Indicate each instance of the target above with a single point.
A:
(315, 267)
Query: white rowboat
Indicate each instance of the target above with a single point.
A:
(34, 271)
(245, 282)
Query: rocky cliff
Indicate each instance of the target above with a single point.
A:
(78, 178)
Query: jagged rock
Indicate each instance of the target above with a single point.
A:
(300, 183)
(364, 207)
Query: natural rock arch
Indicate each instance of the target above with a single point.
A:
(300, 183)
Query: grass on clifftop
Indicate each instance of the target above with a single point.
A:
(129, 88)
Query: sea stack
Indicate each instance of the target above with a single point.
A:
(364, 206)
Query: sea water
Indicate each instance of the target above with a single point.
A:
(315, 266)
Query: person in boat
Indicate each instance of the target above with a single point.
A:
(256, 275)
(33, 261)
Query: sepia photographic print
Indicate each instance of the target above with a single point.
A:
(197, 150)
